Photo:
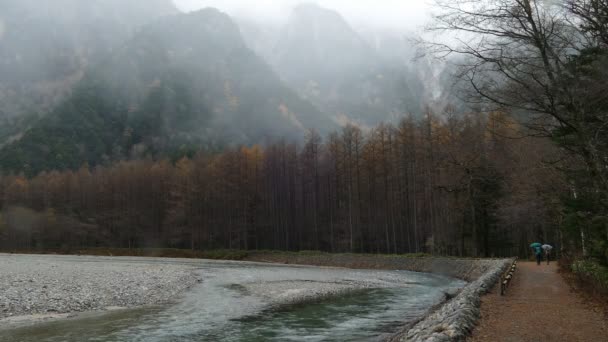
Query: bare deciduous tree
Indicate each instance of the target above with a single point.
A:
(542, 60)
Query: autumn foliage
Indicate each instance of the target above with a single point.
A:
(442, 185)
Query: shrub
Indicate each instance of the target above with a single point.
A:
(592, 273)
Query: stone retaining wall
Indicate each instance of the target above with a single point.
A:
(454, 320)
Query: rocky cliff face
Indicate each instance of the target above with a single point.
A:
(352, 77)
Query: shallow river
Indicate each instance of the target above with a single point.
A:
(256, 302)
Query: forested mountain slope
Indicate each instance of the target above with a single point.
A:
(45, 47)
(185, 80)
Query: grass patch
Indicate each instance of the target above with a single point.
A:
(592, 273)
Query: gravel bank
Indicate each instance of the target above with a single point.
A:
(288, 292)
(296, 292)
(48, 286)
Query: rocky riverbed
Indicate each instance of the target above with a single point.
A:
(208, 300)
(49, 286)
(209, 294)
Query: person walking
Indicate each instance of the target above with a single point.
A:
(538, 251)
(547, 248)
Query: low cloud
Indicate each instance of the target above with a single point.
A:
(384, 14)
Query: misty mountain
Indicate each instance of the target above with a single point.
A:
(319, 43)
(184, 80)
(45, 46)
(352, 78)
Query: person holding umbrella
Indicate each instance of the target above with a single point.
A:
(538, 251)
(547, 248)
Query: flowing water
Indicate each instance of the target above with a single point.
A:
(254, 302)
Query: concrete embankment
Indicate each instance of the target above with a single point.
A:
(457, 317)
(451, 321)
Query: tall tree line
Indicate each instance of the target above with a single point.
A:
(546, 62)
(445, 184)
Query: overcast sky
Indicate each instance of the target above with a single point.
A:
(383, 14)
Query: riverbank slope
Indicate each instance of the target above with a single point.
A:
(465, 269)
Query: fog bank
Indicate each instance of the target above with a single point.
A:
(391, 14)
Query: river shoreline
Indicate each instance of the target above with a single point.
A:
(99, 287)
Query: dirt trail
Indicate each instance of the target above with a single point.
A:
(539, 306)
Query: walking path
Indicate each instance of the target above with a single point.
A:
(539, 306)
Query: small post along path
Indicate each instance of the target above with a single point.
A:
(538, 306)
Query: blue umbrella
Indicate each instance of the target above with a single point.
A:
(535, 245)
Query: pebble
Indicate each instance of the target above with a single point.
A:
(33, 285)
